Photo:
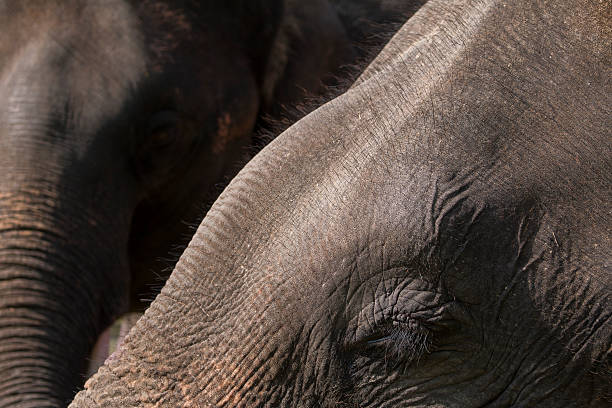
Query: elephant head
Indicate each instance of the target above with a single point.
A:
(118, 121)
(437, 236)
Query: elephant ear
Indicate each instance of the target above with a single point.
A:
(309, 48)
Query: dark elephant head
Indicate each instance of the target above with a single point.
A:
(118, 120)
(438, 236)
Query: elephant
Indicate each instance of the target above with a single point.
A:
(119, 120)
(436, 236)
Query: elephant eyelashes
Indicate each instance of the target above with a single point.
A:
(401, 342)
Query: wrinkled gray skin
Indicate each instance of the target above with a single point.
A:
(438, 236)
(118, 119)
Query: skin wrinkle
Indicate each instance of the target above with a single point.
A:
(524, 248)
(13, 226)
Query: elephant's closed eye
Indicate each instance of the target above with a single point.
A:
(403, 342)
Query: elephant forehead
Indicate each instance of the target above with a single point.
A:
(70, 58)
(93, 29)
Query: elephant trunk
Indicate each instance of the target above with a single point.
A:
(56, 293)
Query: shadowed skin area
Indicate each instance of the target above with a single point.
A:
(437, 236)
(118, 122)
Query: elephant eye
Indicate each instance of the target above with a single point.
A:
(163, 130)
(163, 147)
